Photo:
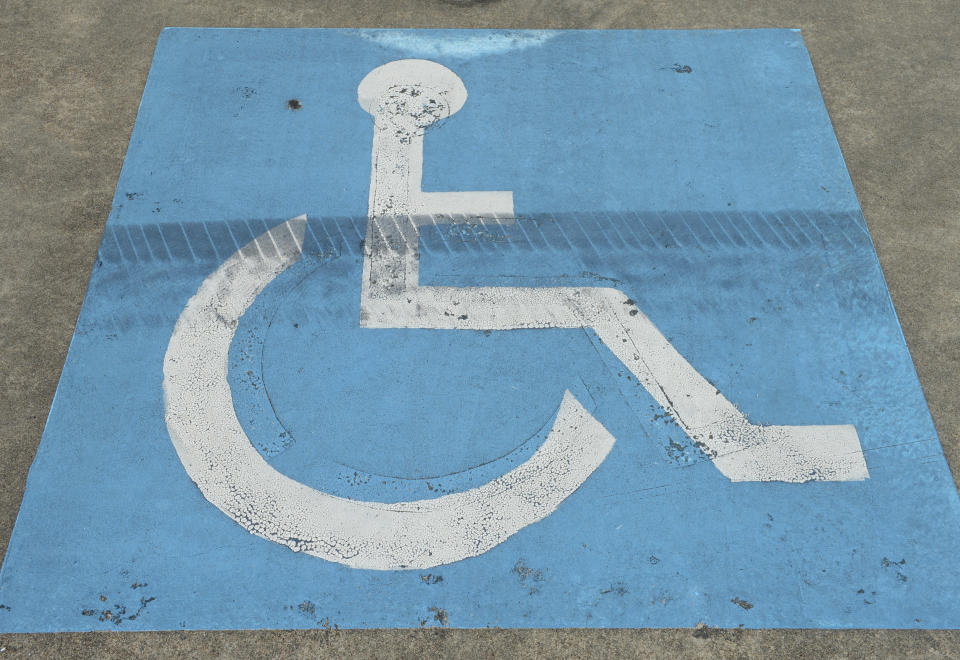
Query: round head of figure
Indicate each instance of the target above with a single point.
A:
(411, 94)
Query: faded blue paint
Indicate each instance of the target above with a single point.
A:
(717, 198)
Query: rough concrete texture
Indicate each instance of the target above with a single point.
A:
(71, 74)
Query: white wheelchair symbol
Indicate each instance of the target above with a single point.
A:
(405, 97)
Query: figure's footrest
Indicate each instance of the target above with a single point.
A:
(797, 454)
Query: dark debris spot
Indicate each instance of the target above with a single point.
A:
(618, 589)
(529, 577)
(603, 278)
(327, 626)
(430, 578)
(118, 613)
(440, 615)
(742, 603)
(703, 631)
(294, 104)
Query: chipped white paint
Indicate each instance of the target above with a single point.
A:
(233, 476)
(405, 97)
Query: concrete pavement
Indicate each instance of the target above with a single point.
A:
(71, 79)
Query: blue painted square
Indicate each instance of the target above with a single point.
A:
(697, 172)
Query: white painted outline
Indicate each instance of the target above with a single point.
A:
(234, 477)
(391, 296)
(405, 97)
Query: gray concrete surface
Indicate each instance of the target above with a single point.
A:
(71, 74)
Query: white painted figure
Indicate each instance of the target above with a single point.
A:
(406, 97)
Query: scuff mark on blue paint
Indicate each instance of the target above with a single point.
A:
(458, 44)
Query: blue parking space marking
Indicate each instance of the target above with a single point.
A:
(403, 328)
